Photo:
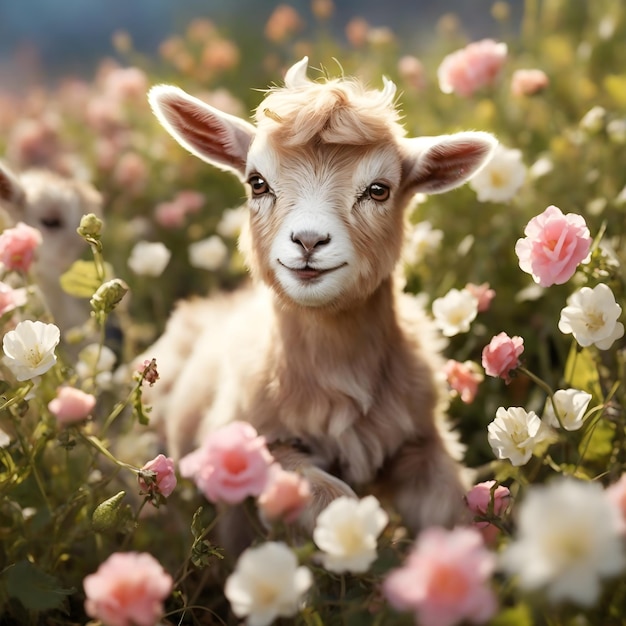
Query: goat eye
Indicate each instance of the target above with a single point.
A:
(258, 185)
(378, 192)
(51, 222)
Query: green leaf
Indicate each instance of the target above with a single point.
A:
(581, 372)
(519, 615)
(36, 590)
(81, 280)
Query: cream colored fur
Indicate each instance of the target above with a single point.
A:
(323, 354)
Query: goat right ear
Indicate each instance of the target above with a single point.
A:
(218, 138)
(11, 190)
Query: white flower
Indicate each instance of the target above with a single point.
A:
(568, 537)
(500, 179)
(593, 120)
(571, 405)
(29, 349)
(96, 361)
(423, 240)
(591, 316)
(5, 440)
(149, 259)
(208, 254)
(515, 433)
(455, 312)
(232, 221)
(267, 583)
(346, 532)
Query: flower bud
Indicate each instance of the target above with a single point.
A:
(108, 514)
(108, 296)
(90, 227)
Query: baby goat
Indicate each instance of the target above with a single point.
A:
(324, 356)
(54, 205)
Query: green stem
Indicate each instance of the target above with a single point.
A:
(545, 387)
(98, 445)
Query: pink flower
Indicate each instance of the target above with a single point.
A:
(71, 405)
(483, 497)
(476, 66)
(444, 580)
(502, 355)
(483, 294)
(165, 480)
(10, 298)
(128, 589)
(617, 495)
(232, 464)
(285, 495)
(553, 247)
(463, 378)
(528, 82)
(18, 245)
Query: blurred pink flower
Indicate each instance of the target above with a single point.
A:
(220, 55)
(285, 495)
(34, 142)
(10, 298)
(463, 378)
(501, 355)
(616, 493)
(165, 480)
(528, 82)
(357, 32)
(553, 247)
(172, 214)
(131, 172)
(476, 66)
(445, 579)
(483, 294)
(479, 499)
(232, 464)
(192, 201)
(71, 405)
(411, 69)
(282, 23)
(128, 589)
(18, 245)
(126, 83)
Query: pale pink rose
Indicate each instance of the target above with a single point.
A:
(232, 464)
(444, 580)
(476, 66)
(131, 172)
(479, 501)
(10, 298)
(411, 69)
(18, 246)
(170, 214)
(553, 247)
(71, 405)
(617, 495)
(501, 355)
(128, 589)
(463, 378)
(165, 479)
(483, 294)
(528, 82)
(285, 495)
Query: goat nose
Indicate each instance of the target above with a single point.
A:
(309, 239)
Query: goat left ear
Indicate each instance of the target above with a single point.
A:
(438, 164)
(11, 190)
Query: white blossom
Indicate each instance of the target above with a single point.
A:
(232, 221)
(422, 241)
(501, 178)
(591, 317)
(29, 349)
(571, 406)
(346, 532)
(149, 258)
(267, 583)
(515, 433)
(455, 311)
(96, 361)
(208, 254)
(5, 440)
(568, 538)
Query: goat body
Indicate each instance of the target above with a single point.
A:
(324, 355)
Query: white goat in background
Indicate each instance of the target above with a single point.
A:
(324, 356)
(54, 205)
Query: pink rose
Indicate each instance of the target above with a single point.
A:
(553, 247)
(502, 355)
(18, 245)
(617, 495)
(164, 482)
(463, 378)
(232, 464)
(476, 66)
(11, 298)
(128, 589)
(483, 294)
(285, 496)
(479, 500)
(444, 580)
(71, 405)
(528, 82)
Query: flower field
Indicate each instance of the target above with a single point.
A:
(523, 271)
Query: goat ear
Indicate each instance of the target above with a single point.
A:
(215, 137)
(11, 190)
(438, 164)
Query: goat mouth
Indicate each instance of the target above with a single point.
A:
(308, 273)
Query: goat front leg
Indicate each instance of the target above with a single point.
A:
(425, 485)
